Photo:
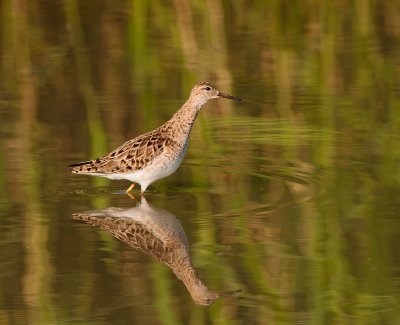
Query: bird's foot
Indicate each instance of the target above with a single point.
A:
(129, 192)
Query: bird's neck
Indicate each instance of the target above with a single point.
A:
(182, 121)
(185, 272)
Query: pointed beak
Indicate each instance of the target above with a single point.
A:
(229, 293)
(228, 96)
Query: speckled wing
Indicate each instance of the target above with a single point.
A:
(132, 156)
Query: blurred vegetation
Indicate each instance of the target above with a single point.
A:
(291, 196)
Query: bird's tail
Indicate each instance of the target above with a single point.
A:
(82, 167)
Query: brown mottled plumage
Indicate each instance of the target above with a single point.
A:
(155, 232)
(133, 155)
(155, 154)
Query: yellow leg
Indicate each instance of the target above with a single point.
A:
(130, 188)
(131, 196)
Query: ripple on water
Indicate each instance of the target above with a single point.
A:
(275, 154)
(77, 189)
(265, 165)
(265, 130)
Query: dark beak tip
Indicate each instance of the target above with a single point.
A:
(229, 97)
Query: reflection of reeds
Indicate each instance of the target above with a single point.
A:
(85, 83)
(341, 58)
(20, 85)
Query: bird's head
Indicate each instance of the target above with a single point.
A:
(204, 91)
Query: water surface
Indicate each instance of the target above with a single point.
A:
(285, 209)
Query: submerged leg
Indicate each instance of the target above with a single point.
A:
(130, 188)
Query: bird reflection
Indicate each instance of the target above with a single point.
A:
(155, 232)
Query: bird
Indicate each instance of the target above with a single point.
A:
(157, 153)
(157, 233)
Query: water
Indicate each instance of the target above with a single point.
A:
(287, 203)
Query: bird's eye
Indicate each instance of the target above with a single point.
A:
(207, 88)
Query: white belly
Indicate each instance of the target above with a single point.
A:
(161, 167)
